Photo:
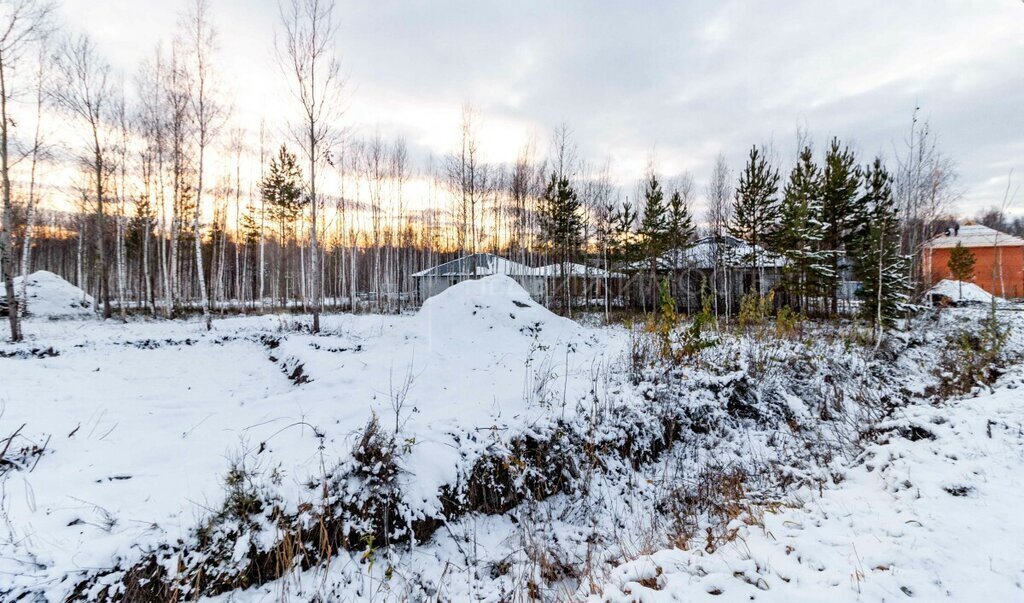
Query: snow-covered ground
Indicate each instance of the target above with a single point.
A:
(140, 420)
(125, 434)
(935, 517)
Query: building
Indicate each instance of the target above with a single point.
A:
(434, 280)
(998, 258)
(740, 266)
(585, 284)
(543, 284)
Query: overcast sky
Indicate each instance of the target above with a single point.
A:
(681, 81)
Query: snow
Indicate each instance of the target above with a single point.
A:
(974, 235)
(933, 519)
(970, 292)
(477, 264)
(141, 419)
(51, 296)
(494, 308)
(573, 269)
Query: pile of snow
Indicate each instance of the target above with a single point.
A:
(493, 309)
(50, 295)
(970, 292)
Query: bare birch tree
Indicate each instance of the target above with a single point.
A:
(84, 90)
(466, 178)
(208, 117)
(719, 214)
(37, 152)
(22, 23)
(152, 109)
(307, 52)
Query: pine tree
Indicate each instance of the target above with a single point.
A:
(680, 237)
(961, 265)
(878, 264)
(680, 223)
(841, 215)
(561, 224)
(281, 189)
(756, 206)
(622, 246)
(653, 234)
(800, 230)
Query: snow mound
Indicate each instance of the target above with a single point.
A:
(491, 307)
(51, 296)
(971, 292)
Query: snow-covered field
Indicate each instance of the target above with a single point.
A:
(125, 434)
(140, 420)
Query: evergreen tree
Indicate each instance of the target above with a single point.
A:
(654, 234)
(800, 231)
(561, 224)
(842, 216)
(680, 237)
(878, 264)
(961, 265)
(756, 206)
(282, 188)
(250, 225)
(680, 223)
(622, 246)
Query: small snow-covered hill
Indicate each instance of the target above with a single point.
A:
(962, 292)
(51, 296)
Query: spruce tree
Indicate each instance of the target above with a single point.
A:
(961, 265)
(800, 231)
(623, 245)
(878, 264)
(842, 216)
(756, 206)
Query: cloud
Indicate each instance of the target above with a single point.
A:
(684, 80)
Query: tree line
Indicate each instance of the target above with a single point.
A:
(345, 221)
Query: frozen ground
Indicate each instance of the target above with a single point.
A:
(933, 518)
(125, 433)
(140, 420)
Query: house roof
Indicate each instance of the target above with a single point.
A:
(477, 264)
(974, 235)
(486, 264)
(702, 254)
(576, 270)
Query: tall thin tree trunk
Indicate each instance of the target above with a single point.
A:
(197, 233)
(6, 228)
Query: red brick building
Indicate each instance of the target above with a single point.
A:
(998, 258)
